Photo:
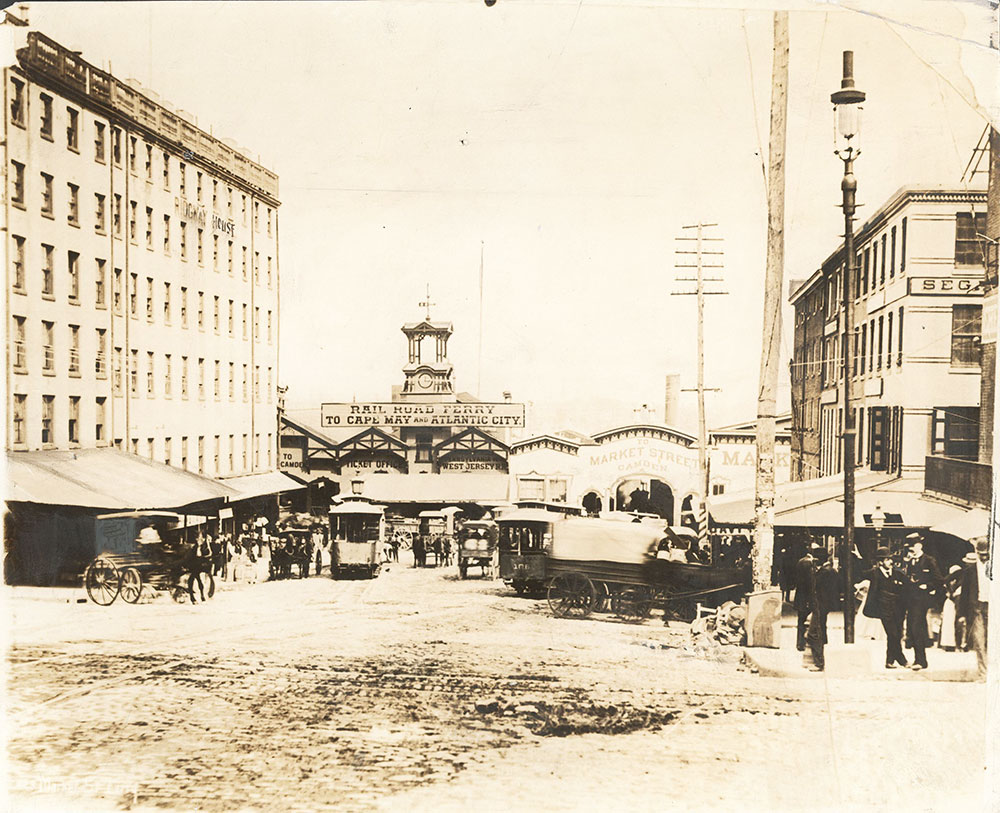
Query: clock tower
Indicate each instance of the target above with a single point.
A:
(429, 374)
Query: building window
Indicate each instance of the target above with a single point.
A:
(73, 424)
(201, 379)
(184, 307)
(256, 383)
(231, 310)
(99, 142)
(269, 382)
(269, 327)
(74, 350)
(99, 419)
(899, 341)
(878, 361)
(244, 387)
(232, 381)
(530, 488)
(17, 183)
(956, 432)
(216, 448)
(73, 216)
(246, 445)
(244, 210)
(149, 163)
(167, 449)
(166, 234)
(244, 262)
(117, 379)
(48, 416)
(269, 277)
(133, 295)
(149, 228)
(201, 310)
(229, 201)
(268, 221)
(232, 446)
(215, 314)
(132, 148)
(902, 247)
(48, 207)
(201, 454)
(969, 228)
(217, 391)
(166, 302)
(269, 444)
(73, 129)
(256, 323)
(135, 446)
(892, 253)
(133, 232)
(256, 268)
(149, 298)
(230, 258)
(215, 252)
(20, 344)
(17, 106)
(18, 263)
(150, 375)
(101, 357)
(100, 295)
(46, 129)
(424, 444)
(888, 341)
(116, 146)
(166, 170)
(116, 294)
(134, 373)
(256, 215)
(116, 216)
(184, 376)
(182, 180)
(201, 247)
(215, 195)
(184, 246)
(966, 335)
(244, 321)
(48, 347)
(198, 184)
(99, 224)
(184, 452)
(256, 451)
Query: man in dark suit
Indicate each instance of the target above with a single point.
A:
(924, 579)
(805, 576)
(886, 590)
(973, 602)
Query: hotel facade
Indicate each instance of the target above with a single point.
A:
(142, 273)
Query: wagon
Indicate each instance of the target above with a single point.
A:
(589, 564)
(357, 531)
(154, 565)
(477, 542)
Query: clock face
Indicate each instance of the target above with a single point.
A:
(424, 380)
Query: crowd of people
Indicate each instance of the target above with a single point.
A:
(439, 546)
(917, 605)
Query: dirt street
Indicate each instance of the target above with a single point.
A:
(420, 691)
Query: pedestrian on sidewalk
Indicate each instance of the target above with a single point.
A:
(827, 588)
(973, 603)
(887, 586)
(924, 582)
(816, 632)
(804, 575)
(950, 626)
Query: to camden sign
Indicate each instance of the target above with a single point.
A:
(495, 416)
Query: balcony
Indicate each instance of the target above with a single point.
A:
(964, 480)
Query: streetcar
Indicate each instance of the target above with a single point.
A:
(525, 535)
(477, 543)
(357, 533)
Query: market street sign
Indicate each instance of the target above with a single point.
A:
(485, 416)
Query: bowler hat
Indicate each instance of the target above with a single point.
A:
(883, 553)
(982, 545)
(916, 536)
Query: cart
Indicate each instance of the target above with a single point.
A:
(175, 568)
(595, 564)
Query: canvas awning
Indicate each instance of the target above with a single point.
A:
(437, 488)
(971, 525)
(105, 478)
(819, 503)
(258, 485)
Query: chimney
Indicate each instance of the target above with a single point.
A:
(671, 397)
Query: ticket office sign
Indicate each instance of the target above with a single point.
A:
(485, 416)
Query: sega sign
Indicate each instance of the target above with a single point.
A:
(945, 286)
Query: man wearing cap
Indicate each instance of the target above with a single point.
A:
(973, 603)
(924, 581)
(887, 586)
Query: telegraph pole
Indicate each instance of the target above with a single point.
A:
(699, 255)
(763, 548)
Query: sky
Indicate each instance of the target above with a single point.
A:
(566, 144)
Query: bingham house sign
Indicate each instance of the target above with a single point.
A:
(482, 415)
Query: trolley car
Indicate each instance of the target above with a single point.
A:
(357, 532)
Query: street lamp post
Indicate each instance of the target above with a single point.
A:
(847, 117)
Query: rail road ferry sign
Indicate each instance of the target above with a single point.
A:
(485, 416)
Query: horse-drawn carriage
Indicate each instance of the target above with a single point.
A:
(588, 564)
(132, 563)
(477, 542)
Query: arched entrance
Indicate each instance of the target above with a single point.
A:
(592, 503)
(647, 496)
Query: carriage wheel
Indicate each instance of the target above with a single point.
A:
(602, 603)
(403, 538)
(678, 608)
(632, 603)
(131, 585)
(572, 595)
(102, 581)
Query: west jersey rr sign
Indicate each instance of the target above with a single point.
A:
(485, 416)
